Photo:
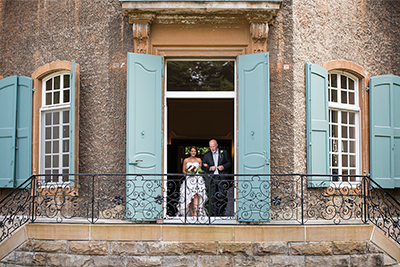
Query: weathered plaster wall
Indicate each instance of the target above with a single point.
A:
(97, 36)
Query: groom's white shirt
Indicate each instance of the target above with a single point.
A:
(215, 157)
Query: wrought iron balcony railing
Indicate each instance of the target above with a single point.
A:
(201, 199)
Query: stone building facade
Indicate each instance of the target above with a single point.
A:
(98, 37)
(358, 38)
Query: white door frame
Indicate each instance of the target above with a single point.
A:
(193, 95)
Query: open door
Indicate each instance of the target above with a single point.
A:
(253, 204)
(144, 137)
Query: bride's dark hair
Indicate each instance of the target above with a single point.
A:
(195, 148)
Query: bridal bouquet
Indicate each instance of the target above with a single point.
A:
(193, 170)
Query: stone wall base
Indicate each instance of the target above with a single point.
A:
(284, 250)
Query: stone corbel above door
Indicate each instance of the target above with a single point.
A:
(141, 34)
(259, 35)
(200, 28)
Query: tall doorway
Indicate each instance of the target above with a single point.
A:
(195, 122)
(199, 106)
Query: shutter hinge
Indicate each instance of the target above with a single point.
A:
(367, 89)
(33, 89)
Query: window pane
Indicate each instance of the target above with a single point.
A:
(200, 76)
(352, 132)
(344, 117)
(49, 84)
(352, 119)
(343, 82)
(66, 80)
(66, 96)
(55, 161)
(345, 161)
(56, 132)
(344, 131)
(48, 99)
(47, 162)
(352, 161)
(56, 97)
(47, 147)
(65, 131)
(334, 145)
(65, 160)
(48, 119)
(48, 133)
(334, 160)
(47, 178)
(344, 97)
(345, 146)
(334, 96)
(66, 146)
(56, 118)
(66, 116)
(57, 82)
(334, 131)
(351, 98)
(351, 84)
(334, 116)
(329, 94)
(352, 147)
(56, 146)
(334, 80)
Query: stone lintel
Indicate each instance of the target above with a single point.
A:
(196, 11)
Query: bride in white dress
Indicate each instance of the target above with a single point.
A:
(193, 189)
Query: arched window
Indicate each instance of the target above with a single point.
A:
(55, 126)
(344, 125)
(55, 122)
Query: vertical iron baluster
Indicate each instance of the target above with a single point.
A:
(365, 184)
(33, 177)
(302, 199)
(209, 200)
(93, 198)
(185, 186)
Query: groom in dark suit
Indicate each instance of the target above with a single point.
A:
(216, 162)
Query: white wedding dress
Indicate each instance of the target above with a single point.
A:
(192, 185)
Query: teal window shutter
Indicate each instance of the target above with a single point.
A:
(8, 120)
(384, 97)
(15, 130)
(23, 149)
(144, 137)
(72, 125)
(253, 138)
(317, 116)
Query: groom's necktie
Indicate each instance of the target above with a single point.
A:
(215, 155)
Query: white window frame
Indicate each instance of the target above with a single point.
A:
(340, 107)
(60, 107)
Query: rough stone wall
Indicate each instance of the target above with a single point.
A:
(365, 32)
(97, 36)
(280, 48)
(103, 253)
